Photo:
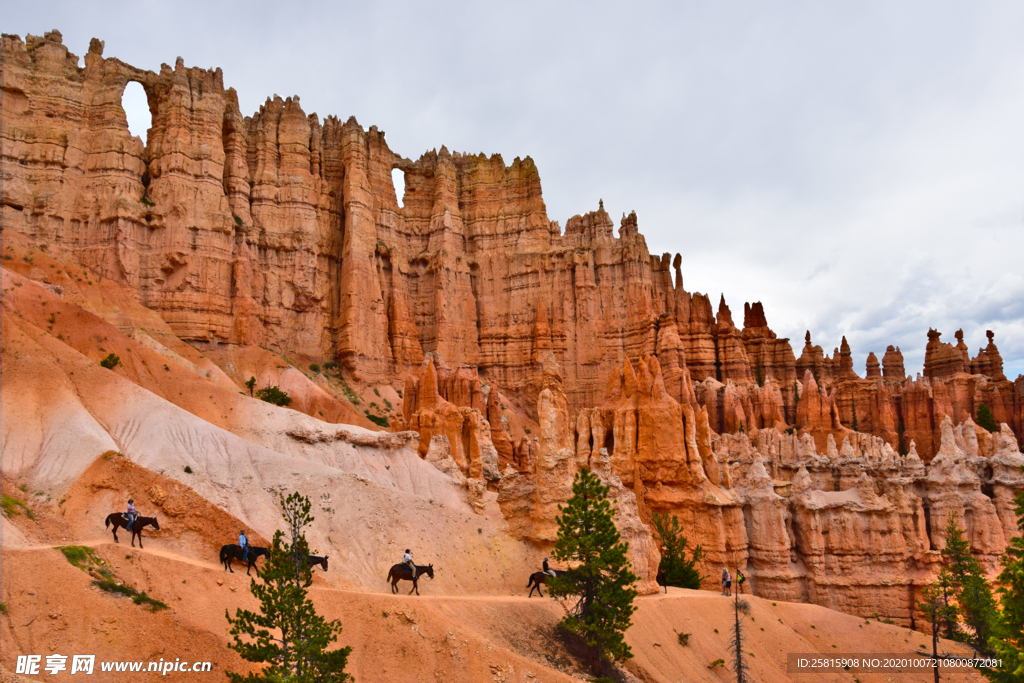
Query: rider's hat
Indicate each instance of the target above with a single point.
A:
(131, 500)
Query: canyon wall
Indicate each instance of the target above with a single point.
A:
(283, 230)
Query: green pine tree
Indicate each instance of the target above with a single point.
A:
(968, 585)
(1008, 641)
(600, 580)
(287, 634)
(250, 384)
(676, 568)
(985, 418)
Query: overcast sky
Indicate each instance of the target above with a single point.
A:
(856, 166)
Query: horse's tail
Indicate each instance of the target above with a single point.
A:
(530, 582)
(106, 522)
(224, 554)
(388, 578)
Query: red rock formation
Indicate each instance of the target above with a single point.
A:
(892, 364)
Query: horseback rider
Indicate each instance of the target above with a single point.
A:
(407, 561)
(548, 570)
(243, 543)
(130, 514)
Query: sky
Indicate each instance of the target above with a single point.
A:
(858, 167)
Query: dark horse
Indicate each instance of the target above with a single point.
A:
(234, 552)
(538, 579)
(401, 572)
(314, 560)
(119, 522)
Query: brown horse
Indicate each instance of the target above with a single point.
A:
(119, 522)
(314, 560)
(234, 552)
(538, 579)
(401, 572)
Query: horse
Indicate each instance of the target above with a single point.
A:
(118, 520)
(401, 572)
(313, 560)
(537, 579)
(660, 579)
(234, 552)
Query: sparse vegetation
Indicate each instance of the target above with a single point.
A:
(146, 201)
(313, 367)
(3, 608)
(238, 220)
(13, 506)
(274, 394)
(684, 638)
(717, 662)
(378, 420)
(139, 598)
(111, 361)
(376, 391)
(188, 470)
(250, 384)
(330, 365)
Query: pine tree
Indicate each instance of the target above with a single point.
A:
(677, 569)
(985, 418)
(287, 633)
(250, 384)
(969, 587)
(1008, 641)
(601, 579)
(937, 609)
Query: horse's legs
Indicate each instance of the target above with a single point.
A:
(114, 531)
(414, 581)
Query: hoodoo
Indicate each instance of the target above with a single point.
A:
(466, 357)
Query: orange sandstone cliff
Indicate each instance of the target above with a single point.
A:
(282, 230)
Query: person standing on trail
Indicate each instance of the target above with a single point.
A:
(407, 561)
(726, 582)
(130, 514)
(243, 543)
(740, 579)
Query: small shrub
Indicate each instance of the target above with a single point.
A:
(400, 394)
(379, 421)
(3, 608)
(376, 391)
(249, 383)
(274, 394)
(330, 365)
(12, 506)
(111, 361)
(238, 221)
(717, 662)
(313, 367)
(684, 638)
(188, 470)
(387, 403)
(146, 201)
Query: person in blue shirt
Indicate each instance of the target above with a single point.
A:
(243, 543)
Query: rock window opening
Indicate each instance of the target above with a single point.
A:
(136, 109)
(398, 180)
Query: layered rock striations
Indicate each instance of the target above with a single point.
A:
(283, 230)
